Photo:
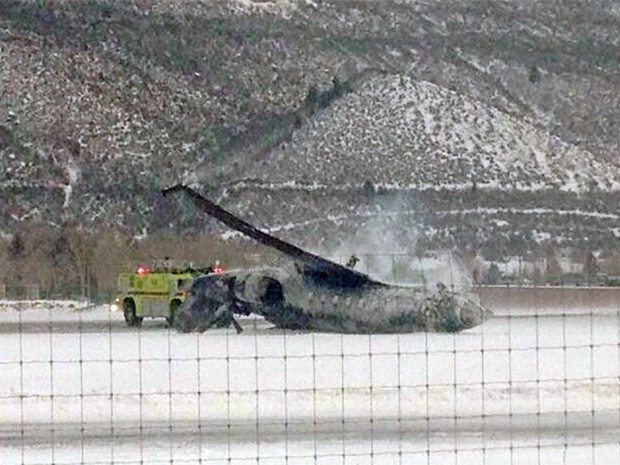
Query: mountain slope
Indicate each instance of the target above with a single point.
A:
(396, 132)
(502, 105)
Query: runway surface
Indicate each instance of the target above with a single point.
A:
(79, 386)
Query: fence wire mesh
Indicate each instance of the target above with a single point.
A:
(537, 384)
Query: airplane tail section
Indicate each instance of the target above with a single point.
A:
(314, 267)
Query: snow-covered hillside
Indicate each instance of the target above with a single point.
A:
(401, 163)
(396, 132)
(461, 120)
(103, 103)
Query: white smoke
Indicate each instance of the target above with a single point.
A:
(387, 249)
(443, 266)
(378, 247)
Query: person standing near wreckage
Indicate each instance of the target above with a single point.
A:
(352, 261)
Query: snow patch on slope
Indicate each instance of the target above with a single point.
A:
(398, 131)
(278, 7)
(73, 172)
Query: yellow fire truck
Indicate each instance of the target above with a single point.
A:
(155, 290)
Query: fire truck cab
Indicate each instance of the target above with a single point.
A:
(155, 290)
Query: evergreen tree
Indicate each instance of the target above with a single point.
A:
(534, 75)
(312, 98)
(590, 267)
(61, 252)
(553, 269)
(338, 88)
(493, 274)
(17, 248)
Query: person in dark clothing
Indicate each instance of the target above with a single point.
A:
(352, 261)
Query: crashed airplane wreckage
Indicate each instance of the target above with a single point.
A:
(315, 294)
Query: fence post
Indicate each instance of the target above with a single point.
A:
(393, 268)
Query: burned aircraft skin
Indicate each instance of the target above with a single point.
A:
(316, 294)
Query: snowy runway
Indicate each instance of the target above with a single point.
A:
(81, 387)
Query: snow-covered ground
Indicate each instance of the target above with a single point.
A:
(78, 386)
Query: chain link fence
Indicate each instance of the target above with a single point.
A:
(537, 384)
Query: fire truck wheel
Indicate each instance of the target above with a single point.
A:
(129, 311)
(174, 306)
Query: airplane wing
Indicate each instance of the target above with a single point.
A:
(317, 269)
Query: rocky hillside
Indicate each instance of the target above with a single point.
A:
(401, 160)
(399, 133)
(483, 123)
